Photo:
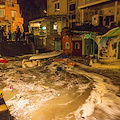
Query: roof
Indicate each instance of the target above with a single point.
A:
(112, 33)
(37, 20)
(115, 32)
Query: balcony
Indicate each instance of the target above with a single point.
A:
(89, 3)
(2, 3)
(4, 18)
(10, 5)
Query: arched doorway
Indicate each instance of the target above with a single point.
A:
(77, 48)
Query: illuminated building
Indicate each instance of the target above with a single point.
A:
(10, 16)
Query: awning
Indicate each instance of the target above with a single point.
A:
(111, 34)
(37, 20)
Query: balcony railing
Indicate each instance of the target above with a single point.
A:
(91, 3)
(2, 2)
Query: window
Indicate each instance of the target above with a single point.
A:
(73, 16)
(77, 46)
(9, 3)
(112, 18)
(8, 0)
(2, 13)
(55, 26)
(57, 6)
(14, 14)
(73, 24)
(67, 45)
(72, 7)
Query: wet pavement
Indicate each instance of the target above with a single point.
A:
(48, 93)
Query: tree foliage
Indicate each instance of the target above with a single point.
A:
(32, 9)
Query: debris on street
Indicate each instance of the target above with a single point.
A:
(58, 89)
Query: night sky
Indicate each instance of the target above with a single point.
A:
(32, 9)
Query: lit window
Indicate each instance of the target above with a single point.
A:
(14, 14)
(55, 26)
(57, 6)
(67, 45)
(77, 45)
(2, 13)
(72, 7)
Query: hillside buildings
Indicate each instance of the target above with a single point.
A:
(10, 17)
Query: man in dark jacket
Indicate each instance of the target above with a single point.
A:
(0, 34)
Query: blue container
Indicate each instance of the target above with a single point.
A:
(59, 69)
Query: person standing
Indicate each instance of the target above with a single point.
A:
(5, 36)
(23, 36)
(0, 34)
(10, 35)
(17, 33)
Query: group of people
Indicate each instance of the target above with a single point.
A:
(17, 35)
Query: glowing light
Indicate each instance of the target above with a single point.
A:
(44, 28)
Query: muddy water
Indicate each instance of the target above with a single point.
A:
(61, 107)
(43, 94)
(53, 96)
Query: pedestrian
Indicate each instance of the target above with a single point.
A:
(5, 36)
(0, 34)
(31, 37)
(23, 36)
(17, 33)
(10, 35)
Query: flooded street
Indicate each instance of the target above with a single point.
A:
(45, 93)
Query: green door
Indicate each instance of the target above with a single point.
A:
(58, 45)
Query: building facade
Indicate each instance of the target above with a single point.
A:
(10, 17)
(99, 12)
(77, 12)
